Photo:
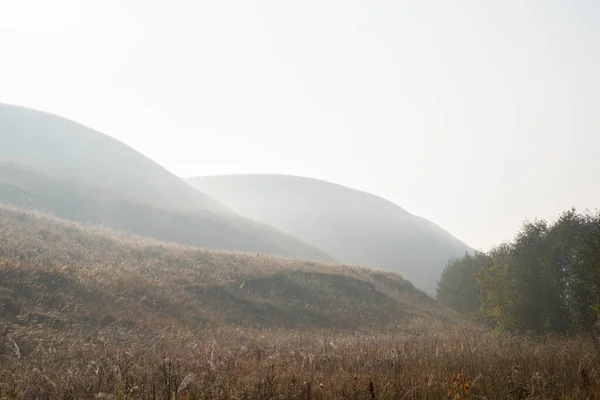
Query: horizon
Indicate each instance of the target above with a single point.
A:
(278, 89)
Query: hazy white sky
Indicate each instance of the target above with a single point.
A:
(474, 114)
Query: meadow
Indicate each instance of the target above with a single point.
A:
(86, 313)
(246, 364)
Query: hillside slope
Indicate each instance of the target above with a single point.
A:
(74, 152)
(59, 273)
(59, 166)
(86, 314)
(354, 226)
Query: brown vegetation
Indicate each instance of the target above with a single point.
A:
(98, 276)
(268, 364)
(88, 313)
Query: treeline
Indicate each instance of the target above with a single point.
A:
(545, 280)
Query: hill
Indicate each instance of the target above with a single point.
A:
(57, 272)
(86, 313)
(55, 165)
(356, 227)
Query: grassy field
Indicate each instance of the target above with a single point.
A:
(91, 314)
(268, 364)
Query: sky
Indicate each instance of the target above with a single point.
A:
(474, 114)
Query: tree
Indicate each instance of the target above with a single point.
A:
(546, 280)
(499, 298)
(582, 288)
(563, 239)
(528, 292)
(458, 286)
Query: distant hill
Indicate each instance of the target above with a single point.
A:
(57, 275)
(70, 151)
(58, 166)
(356, 227)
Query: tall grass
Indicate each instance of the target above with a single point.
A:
(247, 364)
(88, 314)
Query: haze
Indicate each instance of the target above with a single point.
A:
(475, 115)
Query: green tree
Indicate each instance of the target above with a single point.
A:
(563, 239)
(458, 287)
(500, 298)
(545, 280)
(523, 290)
(582, 288)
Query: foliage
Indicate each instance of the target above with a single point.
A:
(546, 280)
(90, 314)
(458, 287)
(461, 386)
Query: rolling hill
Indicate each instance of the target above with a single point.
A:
(356, 227)
(60, 272)
(58, 166)
(87, 312)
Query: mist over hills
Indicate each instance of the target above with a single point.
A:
(58, 166)
(80, 216)
(356, 227)
(70, 151)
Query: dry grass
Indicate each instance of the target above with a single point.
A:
(248, 364)
(106, 278)
(92, 314)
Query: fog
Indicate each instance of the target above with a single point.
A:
(352, 226)
(475, 115)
